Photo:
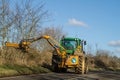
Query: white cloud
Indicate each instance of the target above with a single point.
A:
(115, 43)
(118, 50)
(75, 22)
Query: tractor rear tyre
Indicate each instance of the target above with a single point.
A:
(86, 69)
(86, 65)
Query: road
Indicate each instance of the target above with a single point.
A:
(108, 75)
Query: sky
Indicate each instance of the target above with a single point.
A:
(96, 21)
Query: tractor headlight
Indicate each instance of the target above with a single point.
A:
(73, 60)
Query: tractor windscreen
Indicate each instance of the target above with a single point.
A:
(69, 45)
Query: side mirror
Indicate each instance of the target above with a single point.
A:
(85, 43)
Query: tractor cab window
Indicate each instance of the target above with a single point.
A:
(69, 45)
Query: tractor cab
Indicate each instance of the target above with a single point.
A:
(71, 44)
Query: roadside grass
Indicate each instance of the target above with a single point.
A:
(14, 70)
(96, 69)
(7, 72)
(118, 69)
(103, 69)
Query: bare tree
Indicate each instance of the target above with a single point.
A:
(55, 32)
(6, 20)
(22, 21)
(28, 19)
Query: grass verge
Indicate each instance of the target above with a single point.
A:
(104, 69)
(14, 70)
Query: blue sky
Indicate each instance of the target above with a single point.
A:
(96, 21)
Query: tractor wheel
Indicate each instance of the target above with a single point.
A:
(54, 62)
(55, 68)
(86, 66)
(81, 66)
(86, 69)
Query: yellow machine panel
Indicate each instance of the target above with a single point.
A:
(72, 61)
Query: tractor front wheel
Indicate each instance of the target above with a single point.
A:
(81, 66)
(55, 68)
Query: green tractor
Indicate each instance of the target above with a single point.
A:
(74, 56)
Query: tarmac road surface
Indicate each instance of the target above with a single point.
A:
(107, 75)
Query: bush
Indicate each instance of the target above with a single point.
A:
(16, 62)
(104, 60)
